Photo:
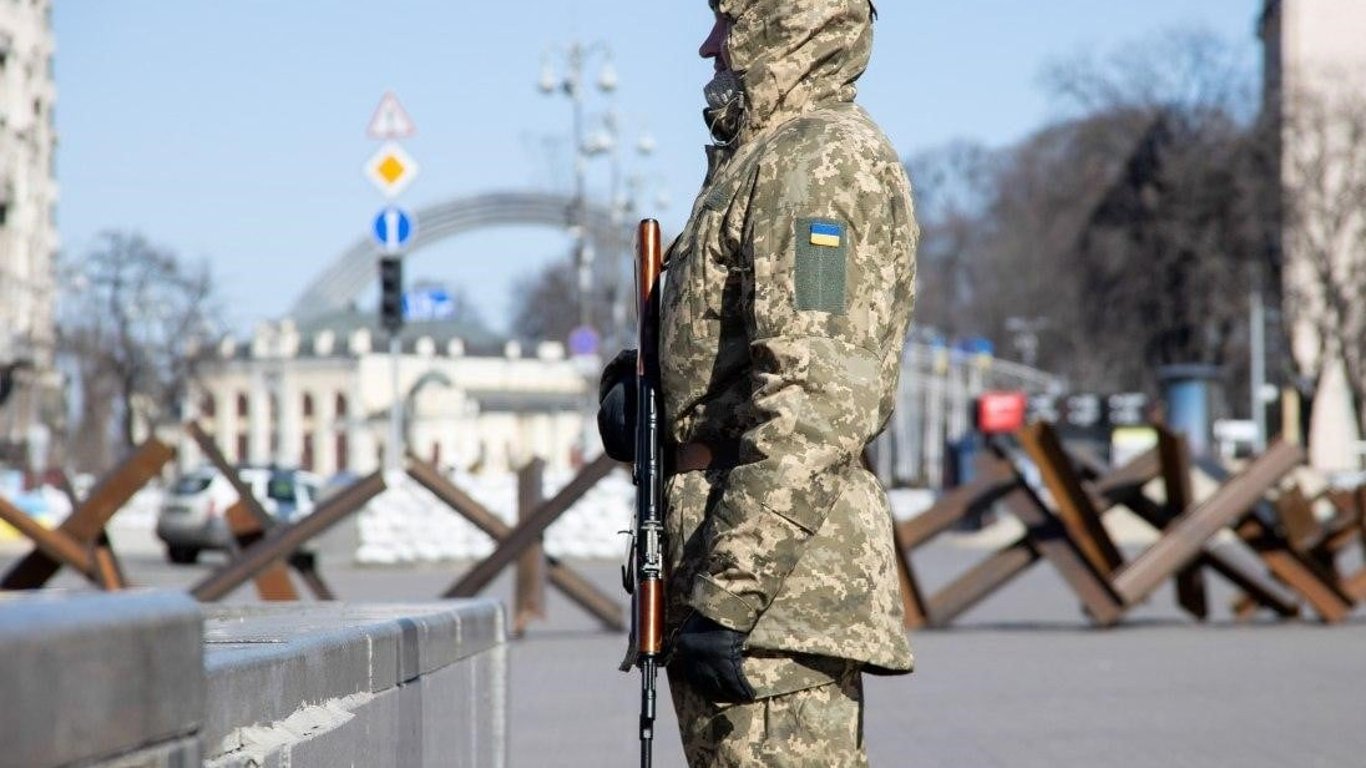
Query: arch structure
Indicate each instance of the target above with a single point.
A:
(354, 269)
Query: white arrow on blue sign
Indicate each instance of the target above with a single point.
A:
(392, 228)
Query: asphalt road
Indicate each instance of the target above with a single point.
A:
(1022, 681)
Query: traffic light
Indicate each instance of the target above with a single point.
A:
(391, 293)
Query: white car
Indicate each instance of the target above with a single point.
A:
(193, 516)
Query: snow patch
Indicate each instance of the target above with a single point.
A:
(407, 524)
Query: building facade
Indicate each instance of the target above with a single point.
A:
(28, 234)
(318, 397)
(1315, 57)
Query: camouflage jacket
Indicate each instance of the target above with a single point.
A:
(785, 310)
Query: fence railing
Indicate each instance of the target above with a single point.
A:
(934, 409)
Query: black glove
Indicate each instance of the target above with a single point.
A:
(617, 406)
(710, 655)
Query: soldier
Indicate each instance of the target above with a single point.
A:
(785, 310)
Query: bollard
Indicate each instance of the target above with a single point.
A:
(530, 584)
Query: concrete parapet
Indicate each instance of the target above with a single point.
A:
(94, 679)
(154, 680)
(374, 685)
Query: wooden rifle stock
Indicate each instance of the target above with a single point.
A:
(647, 630)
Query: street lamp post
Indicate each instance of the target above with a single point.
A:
(588, 144)
(1025, 331)
(571, 85)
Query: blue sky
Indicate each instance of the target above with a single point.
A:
(234, 132)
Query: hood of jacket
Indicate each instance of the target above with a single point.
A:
(796, 55)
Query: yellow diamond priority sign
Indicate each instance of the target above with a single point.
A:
(391, 169)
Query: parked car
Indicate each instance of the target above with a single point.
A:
(193, 516)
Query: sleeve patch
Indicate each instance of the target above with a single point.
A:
(822, 253)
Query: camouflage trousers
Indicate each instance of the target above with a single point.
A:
(817, 727)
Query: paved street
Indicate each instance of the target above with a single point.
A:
(1023, 681)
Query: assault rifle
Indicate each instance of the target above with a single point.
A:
(645, 568)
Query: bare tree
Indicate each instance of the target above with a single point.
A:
(1046, 190)
(1167, 256)
(953, 186)
(1323, 151)
(137, 323)
(547, 305)
(1186, 71)
(1000, 237)
(1167, 253)
(1125, 231)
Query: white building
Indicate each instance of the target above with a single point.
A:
(1315, 47)
(28, 196)
(318, 397)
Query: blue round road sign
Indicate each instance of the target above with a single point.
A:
(583, 341)
(392, 228)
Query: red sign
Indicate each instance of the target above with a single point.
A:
(1001, 412)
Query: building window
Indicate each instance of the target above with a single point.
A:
(307, 459)
(242, 405)
(241, 447)
(208, 407)
(308, 406)
(341, 405)
(343, 459)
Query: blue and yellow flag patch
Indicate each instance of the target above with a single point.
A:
(822, 253)
(827, 235)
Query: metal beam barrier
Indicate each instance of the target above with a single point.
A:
(529, 531)
(283, 540)
(1186, 537)
(86, 523)
(562, 577)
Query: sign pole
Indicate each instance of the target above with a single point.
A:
(391, 170)
(392, 457)
(1257, 324)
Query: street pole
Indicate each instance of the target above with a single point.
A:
(391, 314)
(581, 255)
(1258, 372)
(391, 170)
(392, 460)
(572, 85)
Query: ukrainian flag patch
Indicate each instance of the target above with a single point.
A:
(819, 279)
(827, 235)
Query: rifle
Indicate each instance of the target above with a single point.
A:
(646, 566)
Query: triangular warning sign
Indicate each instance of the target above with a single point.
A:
(391, 120)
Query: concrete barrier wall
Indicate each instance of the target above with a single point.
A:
(109, 680)
(372, 685)
(153, 680)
